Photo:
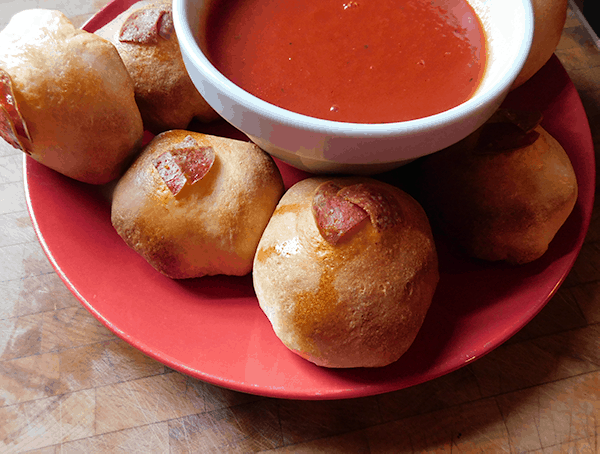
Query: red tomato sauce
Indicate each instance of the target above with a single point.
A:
(360, 61)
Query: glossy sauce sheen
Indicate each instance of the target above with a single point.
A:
(363, 61)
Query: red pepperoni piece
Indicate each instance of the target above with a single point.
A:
(335, 216)
(382, 209)
(525, 120)
(12, 125)
(170, 172)
(498, 137)
(187, 162)
(145, 26)
(195, 161)
(7, 130)
(165, 25)
(509, 129)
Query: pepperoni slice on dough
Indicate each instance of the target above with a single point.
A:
(340, 211)
(12, 125)
(188, 162)
(145, 26)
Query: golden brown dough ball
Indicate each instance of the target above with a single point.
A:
(501, 194)
(146, 40)
(195, 205)
(549, 20)
(346, 271)
(66, 98)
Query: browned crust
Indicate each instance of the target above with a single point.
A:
(74, 94)
(164, 92)
(359, 303)
(549, 20)
(211, 228)
(500, 206)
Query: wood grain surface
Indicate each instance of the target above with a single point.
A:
(68, 385)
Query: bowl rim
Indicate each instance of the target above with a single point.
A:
(276, 114)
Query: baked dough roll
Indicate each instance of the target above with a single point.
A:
(66, 98)
(549, 20)
(146, 40)
(502, 193)
(195, 205)
(346, 271)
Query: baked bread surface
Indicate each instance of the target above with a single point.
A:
(549, 19)
(165, 94)
(359, 303)
(74, 94)
(500, 205)
(212, 227)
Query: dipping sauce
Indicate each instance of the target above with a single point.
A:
(359, 61)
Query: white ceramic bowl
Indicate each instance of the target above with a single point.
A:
(323, 146)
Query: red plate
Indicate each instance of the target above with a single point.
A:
(212, 328)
